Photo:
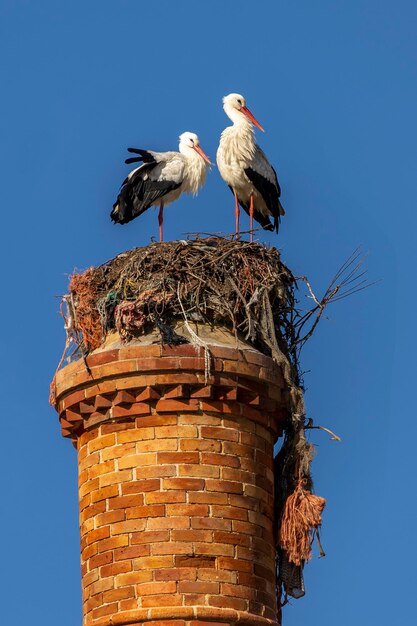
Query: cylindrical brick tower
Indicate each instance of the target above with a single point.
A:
(175, 480)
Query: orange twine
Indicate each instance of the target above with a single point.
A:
(87, 315)
(302, 514)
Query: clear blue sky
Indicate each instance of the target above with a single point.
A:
(334, 84)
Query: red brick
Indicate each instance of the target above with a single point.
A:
(182, 573)
(189, 484)
(167, 432)
(137, 460)
(217, 406)
(239, 604)
(139, 408)
(198, 419)
(217, 549)
(156, 420)
(132, 552)
(237, 591)
(73, 398)
(164, 523)
(205, 445)
(203, 392)
(103, 494)
(229, 512)
(195, 561)
(154, 562)
(222, 352)
(86, 408)
(133, 578)
(212, 497)
(156, 471)
(117, 451)
(179, 391)
(99, 358)
(150, 536)
(191, 510)
(124, 502)
(88, 487)
(172, 548)
(139, 352)
(186, 349)
(118, 594)
(109, 517)
(164, 600)
(157, 445)
(198, 587)
(101, 442)
(149, 393)
(104, 610)
(177, 457)
(140, 486)
(96, 535)
(150, 589)
(124, 397)
(192, 363)
(212, 458)
(201, 471)
(129, 526)
(216, 575)
(137, 434)
(100, 559)
(174, 406)
(211, 523)
(88, 552)
(234, 539)
(112, 427)
(120, 541)
(101, 468)
(165, 497)
(101, 402)
(92, 511)
(153, 510)
(235, 565)
(225, 486)
(191, 535)
(115, 568)
(113, 478)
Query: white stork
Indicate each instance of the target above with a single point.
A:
(245, 168)
(161, 179)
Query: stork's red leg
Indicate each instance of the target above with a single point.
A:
(251, 217)
(237, 213)
(161, 220)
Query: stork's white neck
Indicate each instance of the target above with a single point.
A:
(237, 117)
(196, 170)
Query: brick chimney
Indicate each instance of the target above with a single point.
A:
(175, 480)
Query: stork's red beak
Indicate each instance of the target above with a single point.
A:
(252, 118)
(203, 155)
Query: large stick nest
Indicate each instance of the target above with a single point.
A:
(243, 286)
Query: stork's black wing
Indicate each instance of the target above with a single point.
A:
(143, 187)
(270, 192)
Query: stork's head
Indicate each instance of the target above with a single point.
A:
(234, 106)
(190, 144)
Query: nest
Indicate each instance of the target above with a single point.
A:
(242, 286)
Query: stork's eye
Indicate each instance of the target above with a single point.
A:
(239, 102)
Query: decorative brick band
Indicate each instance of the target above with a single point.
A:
(144, 380)
(175, 484)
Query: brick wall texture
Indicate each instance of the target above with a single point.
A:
(175, 484)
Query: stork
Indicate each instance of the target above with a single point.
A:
(161, 179)
(245, 168)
